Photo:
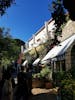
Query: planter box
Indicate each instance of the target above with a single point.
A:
(37, 83)
(48, 85)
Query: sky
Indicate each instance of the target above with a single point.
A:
(25, 18)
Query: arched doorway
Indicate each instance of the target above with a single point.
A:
(73, 56)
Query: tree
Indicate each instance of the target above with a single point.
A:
(58, 15)
(20, 42)
(4, 4)
(9, 47)
(70, 6)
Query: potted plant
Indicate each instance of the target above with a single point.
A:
(42, 79)
(37, 81)
(47, 74)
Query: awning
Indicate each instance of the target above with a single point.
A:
(59, 49)
(36, 61)
(24, 63)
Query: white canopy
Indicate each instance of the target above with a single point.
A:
(36, 61)
(24, 63)
(59, 49)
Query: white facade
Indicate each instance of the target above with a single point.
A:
(42, 35)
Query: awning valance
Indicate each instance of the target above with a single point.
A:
(59, 49)
(24, 63)
(36, 61)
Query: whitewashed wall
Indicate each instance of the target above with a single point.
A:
(41, 36)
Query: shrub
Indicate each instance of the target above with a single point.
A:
(57, 77)
(44, 73)
(67, 89)
(73, 72)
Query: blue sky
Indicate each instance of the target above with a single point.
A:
(25, 18)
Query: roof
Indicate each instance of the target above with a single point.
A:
(59, 49)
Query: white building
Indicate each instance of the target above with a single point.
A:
(42, 35)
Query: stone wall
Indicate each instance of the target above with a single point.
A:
(68, 57)
(68, 30)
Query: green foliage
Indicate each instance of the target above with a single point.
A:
(59, 76)
(9, 48)
(70, 6)
(58, 14)
(5, 62)
(73, 72)
(67, 85)
(44, 73)
(66, 81)
(4, 4)
(67, 89)
(38, 75)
